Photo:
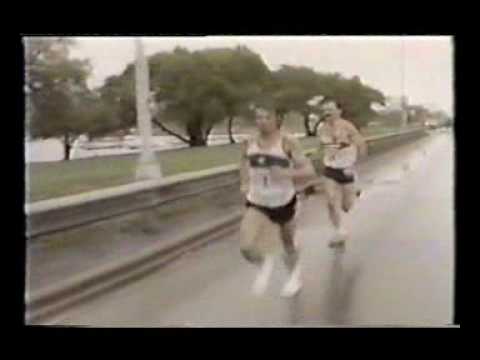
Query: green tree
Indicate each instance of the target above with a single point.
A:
(243, 74)
(101, 117)
(118, 97)
(187, 91)
(56, 91)
(291, 88)
(192, 91)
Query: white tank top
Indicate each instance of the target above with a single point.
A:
(265, 190)
(334, 156)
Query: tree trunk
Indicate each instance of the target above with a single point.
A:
(67, 147)
(197, 141)
(195, 133)
(229, 130)
(306, 123)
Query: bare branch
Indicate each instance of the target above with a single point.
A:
(168, 131)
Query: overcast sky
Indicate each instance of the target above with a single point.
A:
(420, 67)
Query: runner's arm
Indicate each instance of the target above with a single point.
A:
(302, 166)
(359, 140)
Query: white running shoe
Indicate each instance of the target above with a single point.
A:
(294, 283)
(263, 276)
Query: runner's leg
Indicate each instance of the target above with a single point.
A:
(349, 195)
(333, 194)
(291, 249)
(334, 203)
(255, 232)
(249, 232)
(291, 259)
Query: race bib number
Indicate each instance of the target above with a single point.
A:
(263, 177)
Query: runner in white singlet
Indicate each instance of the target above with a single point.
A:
(342, 144)
(270, 165)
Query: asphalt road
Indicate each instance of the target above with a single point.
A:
(398, 267)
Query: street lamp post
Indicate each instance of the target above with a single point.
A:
(148, 166)
(404, 107)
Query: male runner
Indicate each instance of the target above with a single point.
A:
(271, 163)
(341, 142)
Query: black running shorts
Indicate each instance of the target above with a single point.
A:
(338, 175)
(279, 215)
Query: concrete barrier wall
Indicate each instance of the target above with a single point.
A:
(50, 216)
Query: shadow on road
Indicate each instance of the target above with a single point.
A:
(335, 307)
(339, 291)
